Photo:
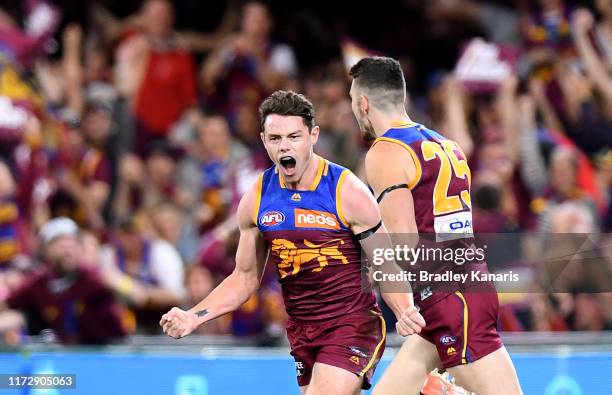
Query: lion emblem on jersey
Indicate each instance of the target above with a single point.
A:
(292, 257)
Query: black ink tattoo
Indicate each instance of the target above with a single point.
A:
(201, 313)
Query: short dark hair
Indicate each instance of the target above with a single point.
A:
(381, 76)
(288, 103)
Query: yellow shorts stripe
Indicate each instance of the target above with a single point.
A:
(380, 343)
(465, 327)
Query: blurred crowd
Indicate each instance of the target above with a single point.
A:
(126, 144)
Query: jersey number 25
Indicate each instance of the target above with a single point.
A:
(445, 151)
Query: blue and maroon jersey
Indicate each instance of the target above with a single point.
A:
(441, 189)
(442, 205)
(311, 246)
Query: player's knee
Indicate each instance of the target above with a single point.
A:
(491, 375)
(329, 385)
(330, 390)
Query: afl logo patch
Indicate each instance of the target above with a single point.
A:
(272, 218)
(448, 339)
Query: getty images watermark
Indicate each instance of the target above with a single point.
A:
(437, 257)
(512, 263)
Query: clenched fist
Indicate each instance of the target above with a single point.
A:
(410, 322)
(178, 323)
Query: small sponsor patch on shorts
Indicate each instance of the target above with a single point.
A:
(358, 351)
(426, 293)
(299, 368)
(447, 340)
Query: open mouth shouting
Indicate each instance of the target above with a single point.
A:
(288, 164)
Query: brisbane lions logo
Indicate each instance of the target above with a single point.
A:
(292, 258)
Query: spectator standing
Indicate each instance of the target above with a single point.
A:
(158, 73)
(247, 65)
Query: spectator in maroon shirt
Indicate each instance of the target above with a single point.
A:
(84, 171)
(248, 64)
(65, 295)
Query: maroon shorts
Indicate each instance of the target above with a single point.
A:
(354, 342)
(463, 327)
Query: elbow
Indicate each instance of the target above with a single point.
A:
(247, 281)
(252, 285)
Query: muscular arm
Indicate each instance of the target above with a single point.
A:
(362, 214)
(235, 289)
(389, 164)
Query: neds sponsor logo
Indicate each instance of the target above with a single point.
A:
(315, 219)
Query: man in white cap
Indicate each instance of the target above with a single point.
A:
(65, 295)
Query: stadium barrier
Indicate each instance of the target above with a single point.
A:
(548, 364)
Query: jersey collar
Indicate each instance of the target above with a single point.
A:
(321, 170)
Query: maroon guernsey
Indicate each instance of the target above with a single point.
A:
(442, 204)
(441, 189)
(313, 250)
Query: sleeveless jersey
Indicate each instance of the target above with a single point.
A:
(441, 189)
(442, 207)
(311, 246)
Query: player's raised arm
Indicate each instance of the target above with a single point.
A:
(235, 289)
(362, 214)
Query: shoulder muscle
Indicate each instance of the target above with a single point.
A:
(249, 206)
(359, 206)
(389, 164)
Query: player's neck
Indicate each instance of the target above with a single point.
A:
(308, 177)
(383, 122)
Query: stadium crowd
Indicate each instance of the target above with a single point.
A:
(133, 132)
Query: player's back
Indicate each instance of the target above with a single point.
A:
(442, 209)
(311, 246)
(441, 188)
